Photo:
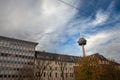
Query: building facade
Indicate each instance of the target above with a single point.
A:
(16, 59)
(51, 66)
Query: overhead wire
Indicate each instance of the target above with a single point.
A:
(81, 10)
(71, 5)
(84, 12)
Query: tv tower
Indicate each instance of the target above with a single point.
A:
(82, 42)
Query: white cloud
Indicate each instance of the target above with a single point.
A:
(100, 18)
(106, 43)
(46, 21)
(96, 40)
(41, 20)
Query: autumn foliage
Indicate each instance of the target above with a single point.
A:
(91, 69)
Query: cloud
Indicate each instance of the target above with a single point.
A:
(102, 37)
(41, 21)
(105, 42)
(96, 40)
(83, 24)
(54, 26)
(100, 18)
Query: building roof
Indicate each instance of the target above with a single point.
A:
(102, 58)
(97, 55)
(67, 58)
(54, 56)
(18, 40)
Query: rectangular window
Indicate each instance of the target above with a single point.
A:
(50, 74)
(50, 68)
(44, 74)
(1, 76)
(37, 74)
(71, 74)
(66, 74)
(61, 74)
(55, 74)
(66, 68)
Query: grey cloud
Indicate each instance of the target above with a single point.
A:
(41, 21)
(46, 22)
(109, 45)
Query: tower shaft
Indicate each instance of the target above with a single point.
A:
(83, 50)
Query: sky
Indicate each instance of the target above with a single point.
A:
(57, 25)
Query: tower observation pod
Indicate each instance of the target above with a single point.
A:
(82, 42)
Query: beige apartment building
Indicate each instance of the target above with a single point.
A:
(51, 66)
(16, 59)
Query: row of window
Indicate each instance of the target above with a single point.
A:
(65, 68)
(16, 69)
(57, 68)
(63, 63)
(16, 62)
(15, 43)
(14, 76)
(45, 57)
(15, 49)
(53, 58)
(15, 55)
(45, 74)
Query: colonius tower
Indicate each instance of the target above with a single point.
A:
(82, 42)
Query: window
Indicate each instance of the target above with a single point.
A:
(50, 74)
(55, 74)
(9, 76)
(66, 68)
(37, 74)
(1, 76)
(61, 74)
(50, 68)
(44, 74)
(71, 74)
(5, 76)
(66, 74)
(71, 68)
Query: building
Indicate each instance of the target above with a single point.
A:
(51, 66)
(16, 59)
(20, 61)
(101, 59)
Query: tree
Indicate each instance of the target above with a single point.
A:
(62, 62)
(89, 69)
(62, 68)
(40, 67)
(49, 72)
